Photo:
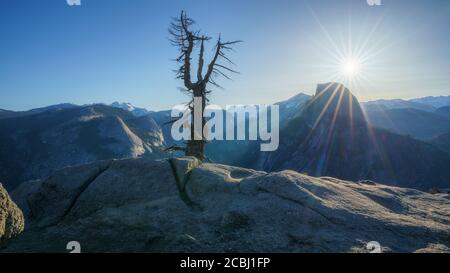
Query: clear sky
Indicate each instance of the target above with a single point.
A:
(118, 50)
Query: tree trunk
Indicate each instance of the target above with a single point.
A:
(195, 147)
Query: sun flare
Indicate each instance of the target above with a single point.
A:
(350, 68)
(350, 54)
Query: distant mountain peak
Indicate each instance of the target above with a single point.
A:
(56, 107)
(332, 101)
(331, 87)
(137, 111)
(70, 137)
(429, 104)
(436, 102)
(291, 107)
(299, 95)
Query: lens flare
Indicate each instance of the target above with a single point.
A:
(350, 68)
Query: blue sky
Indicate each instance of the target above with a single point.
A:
(118, 50)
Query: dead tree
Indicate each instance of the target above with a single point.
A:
(188, 41)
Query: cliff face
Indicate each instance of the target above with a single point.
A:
(331, 137)
(180, 205)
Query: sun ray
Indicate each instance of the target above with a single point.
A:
(327, 104)
(353, 59)
(326, 34)
(331, 130)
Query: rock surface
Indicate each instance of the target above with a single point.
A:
(181, 205)
(11, 217)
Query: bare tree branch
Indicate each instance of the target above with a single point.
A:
(175, 148)
(227, 68)
(212, 63)
(200, 61)
(219, 53)
(186, 41)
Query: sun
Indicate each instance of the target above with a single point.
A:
(351, 55)
(350, 67)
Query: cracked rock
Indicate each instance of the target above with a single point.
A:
(143, 205)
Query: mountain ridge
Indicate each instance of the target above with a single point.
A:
(155, 129)
(417, 123)
(32, 146)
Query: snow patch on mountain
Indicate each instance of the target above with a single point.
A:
(137, 111)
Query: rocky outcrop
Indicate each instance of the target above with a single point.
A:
(11, 217)
(181, 205)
